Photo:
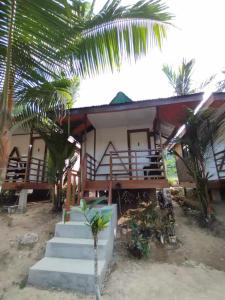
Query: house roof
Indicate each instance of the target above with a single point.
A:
(120, 98)
(171, 111)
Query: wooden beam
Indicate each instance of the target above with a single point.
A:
(98, 185)
(26, 185)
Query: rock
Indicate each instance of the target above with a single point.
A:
(28, 239)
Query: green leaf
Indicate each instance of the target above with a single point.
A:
(83, 205)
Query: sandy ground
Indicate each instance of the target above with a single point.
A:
(195, 271)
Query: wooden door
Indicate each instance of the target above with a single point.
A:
(139, 144)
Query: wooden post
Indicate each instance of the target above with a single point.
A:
(85, 135)
(110, 183)
(79, 186)
(38, 170)
(73, 179)
(29, 157)
(161, 145)
(136, 165)
(68, 192)
(94, 153)
(84, 174)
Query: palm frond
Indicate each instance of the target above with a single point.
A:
(117, 32)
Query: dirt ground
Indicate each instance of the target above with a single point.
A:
(196, 270)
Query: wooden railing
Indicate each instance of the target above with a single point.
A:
(73, 188)
(137, 165)
(220, 163)
(127, 165)
(89, 167)
(25, 169)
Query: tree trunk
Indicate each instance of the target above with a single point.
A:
(7, 99)
(4, 153)
(97, 288)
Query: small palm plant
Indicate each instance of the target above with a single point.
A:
(97, 220)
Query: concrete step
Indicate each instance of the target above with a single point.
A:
(77, 216)
(77, 230)
(74, 248)
(72, 274)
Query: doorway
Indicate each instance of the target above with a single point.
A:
(138, 147)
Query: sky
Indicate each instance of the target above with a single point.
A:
(198, 33)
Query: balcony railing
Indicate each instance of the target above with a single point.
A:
(25, 169)
(126, 165)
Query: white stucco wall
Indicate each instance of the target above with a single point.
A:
(219, 145)
(117, 135)
(210, 165)
(21, 142)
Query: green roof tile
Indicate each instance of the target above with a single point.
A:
(120, 98)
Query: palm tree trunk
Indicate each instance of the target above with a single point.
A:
(4, 153)
(7, 100)
(97, 288)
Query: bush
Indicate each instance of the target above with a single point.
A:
(139, 245)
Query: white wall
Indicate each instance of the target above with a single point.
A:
(210, 165)
(219, 145)
(21, 142)
(117, 135)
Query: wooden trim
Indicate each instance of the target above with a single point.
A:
(95, 150)
(129, 142)
(126, 184)
(137, 104)
(26, 185)
(29, 156)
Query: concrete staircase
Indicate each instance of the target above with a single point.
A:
(69, 256)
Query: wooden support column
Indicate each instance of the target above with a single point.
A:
(94, 153)
(110, 183)
(160, 141)
(85, 134)
(29, 156)
(68, 196)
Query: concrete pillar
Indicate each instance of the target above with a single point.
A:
(23, 201)
(216, 195)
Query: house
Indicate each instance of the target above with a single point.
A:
(122, 146)
(122, 143)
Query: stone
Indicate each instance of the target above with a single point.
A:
(28, 239)
(23, 201)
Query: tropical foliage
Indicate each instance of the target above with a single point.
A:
(181, 81)
(201, 129)
(41, 40)
(59, 151)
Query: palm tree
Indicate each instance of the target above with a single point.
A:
(59, 150)
(41, 38)
(201, 130)
(181, 81)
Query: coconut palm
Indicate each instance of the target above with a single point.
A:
(181, 81)
(46, 36)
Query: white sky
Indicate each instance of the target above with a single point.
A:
(199, 34)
